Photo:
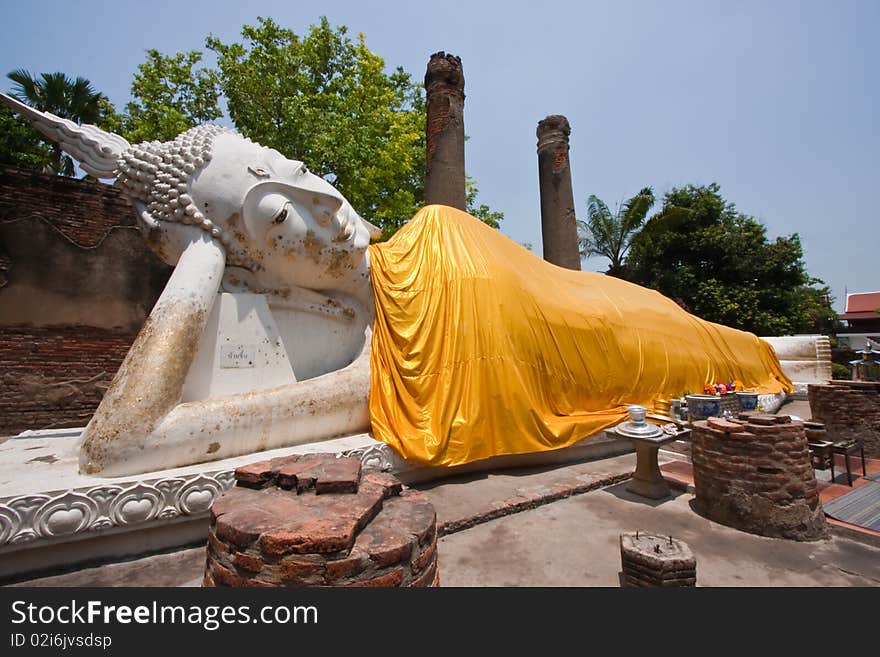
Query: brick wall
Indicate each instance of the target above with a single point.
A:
(755, 475)
(76, 283)
(52, 377)
(850, 410)
(84, 211)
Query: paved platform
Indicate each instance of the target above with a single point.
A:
(574, 542)
(560, 526)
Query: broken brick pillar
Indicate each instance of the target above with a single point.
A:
(558, 228)
(755, 474)
(319, 520)
(444, 131)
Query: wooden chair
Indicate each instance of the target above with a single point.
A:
(846, 448)
(822, 455)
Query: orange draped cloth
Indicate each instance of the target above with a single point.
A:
(481, 349)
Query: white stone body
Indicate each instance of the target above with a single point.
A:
(805, 359)
(260, 339)
(241, 350)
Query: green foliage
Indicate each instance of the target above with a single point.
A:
(323, 98)
(609, 235)
(56, 93)
(869, 372)
(19, 144)
(73, 99)
(326, 100)
(719, 264)
(840, 372)
(170, 96)
(482, 212)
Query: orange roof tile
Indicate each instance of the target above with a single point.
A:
(862, 302)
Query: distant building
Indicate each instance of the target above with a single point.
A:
(862, 317)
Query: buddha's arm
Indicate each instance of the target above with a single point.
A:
(327, 406)
(141, 425)
(148, 383)
(331, 405)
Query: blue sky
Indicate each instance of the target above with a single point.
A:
(777, 101)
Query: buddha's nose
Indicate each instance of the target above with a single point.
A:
(345, 223)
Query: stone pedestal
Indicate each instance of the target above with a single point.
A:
(755, 474)
(558, 227)
(651, 560)
(647, 480)
(444, 132)
(319, 520)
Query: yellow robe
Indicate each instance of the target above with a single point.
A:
(480, 348)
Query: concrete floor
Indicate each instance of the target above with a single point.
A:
(575, 542)
(563, 542)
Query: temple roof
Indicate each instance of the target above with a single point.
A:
(862, 305)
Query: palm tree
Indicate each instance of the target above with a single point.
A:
(609, 235)
(56, 93)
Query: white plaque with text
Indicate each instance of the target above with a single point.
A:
(237, 355)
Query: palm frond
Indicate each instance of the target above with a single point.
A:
(600, 226)
(636, 209)
(27, 88)
(609, 234)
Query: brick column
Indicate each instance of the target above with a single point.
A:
(444, 131)
(755, 474)
(558, 229)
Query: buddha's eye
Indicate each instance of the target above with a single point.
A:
(270, 211)
(259, 172)
(281, 216)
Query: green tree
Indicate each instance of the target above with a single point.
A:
(170, 95)
(326, 100)
(609, 234)
(841, 372)
(73, 99)
(719, 264)
(482, 211)
(19, 144)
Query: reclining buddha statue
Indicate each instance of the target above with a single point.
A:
(449, 342)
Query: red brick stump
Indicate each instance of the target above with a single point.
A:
(755, 474)
(319, 520)
(656, 561)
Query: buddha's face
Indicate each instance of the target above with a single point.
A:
(294, 226)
